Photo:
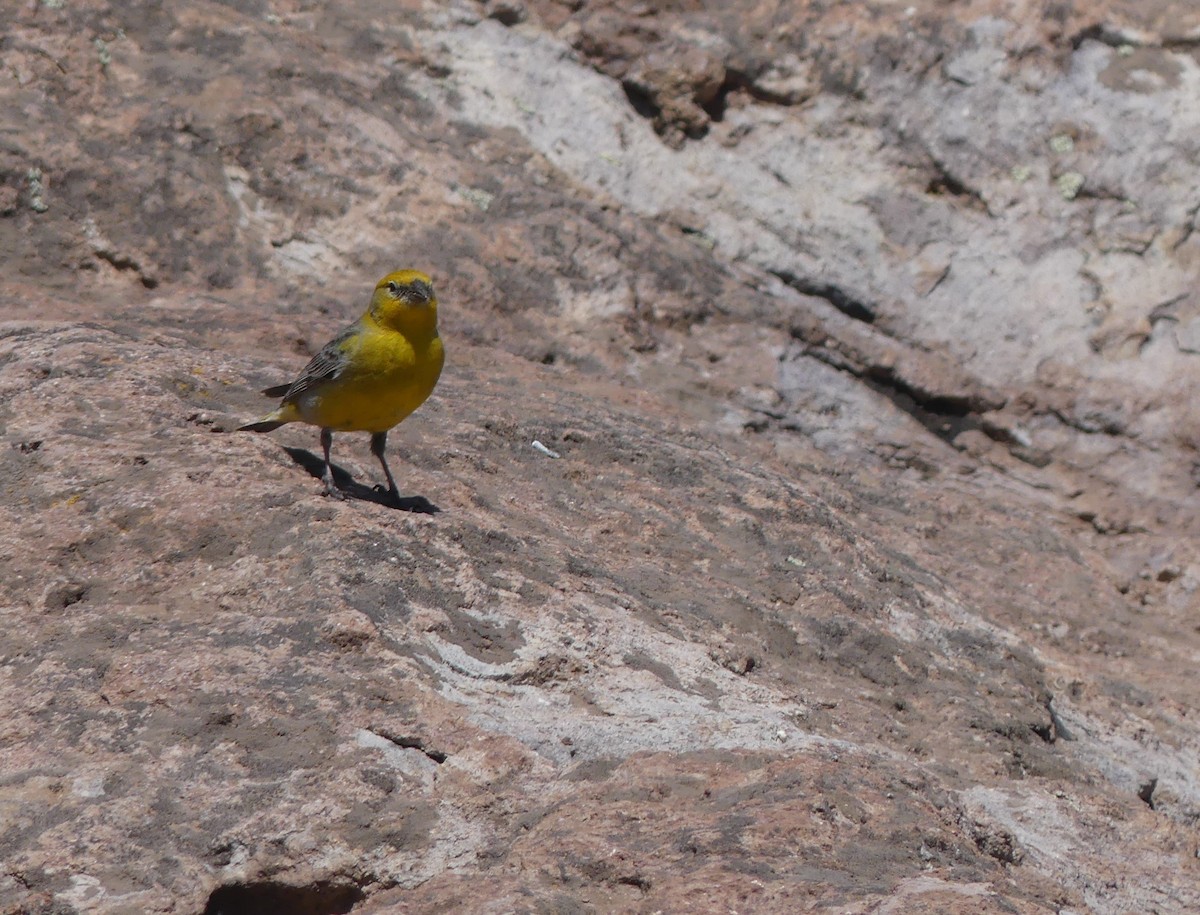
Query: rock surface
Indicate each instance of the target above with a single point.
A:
(855, 564)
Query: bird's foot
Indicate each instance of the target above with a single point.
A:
(393, 494)
(333, 492)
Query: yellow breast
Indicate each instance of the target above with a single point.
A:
(386, 376)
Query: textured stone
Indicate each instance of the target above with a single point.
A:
(865, 575)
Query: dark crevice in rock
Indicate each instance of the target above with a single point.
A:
(1091, 425)
(848, 304)
(656, 107)
(945, 182)
(640, 101)
(943, 179)
(884, 378)
(1101, 32)
(124, 262)
(635, 880)
(715, 107)
(943, 416)
(255, 898)
(947, 407)
(745, 83)
(1146, 792)
(411, 743)
(1189, 228)
(1044, 731)
(1089, 192)
(1116, 38)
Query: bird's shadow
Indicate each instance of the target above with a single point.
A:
(377, 494)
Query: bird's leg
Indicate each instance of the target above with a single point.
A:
(378, 443)
(330, 487)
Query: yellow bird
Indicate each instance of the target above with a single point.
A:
(370, 376)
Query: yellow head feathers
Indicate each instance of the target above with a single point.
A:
(404, 301)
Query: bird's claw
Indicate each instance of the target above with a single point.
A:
(394, 494)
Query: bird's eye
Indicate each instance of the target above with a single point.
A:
(393, 288)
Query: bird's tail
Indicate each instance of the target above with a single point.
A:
(263, 425)
(277, 390)
(282, 415)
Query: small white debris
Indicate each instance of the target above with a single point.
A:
(1062, 143)
(538, 446)
(36, 188)
(1021, 437)
(1070, 184)
(478, 196)
(90, 784)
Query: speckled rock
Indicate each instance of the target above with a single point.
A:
(805, 519)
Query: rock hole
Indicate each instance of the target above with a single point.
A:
(842, 299)
(716, 106)
(635, 880)
(1044, 731)
(1146, 792)
(641, 102)
(411, 743)
(320, 898)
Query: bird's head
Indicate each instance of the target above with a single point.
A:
(404, 301)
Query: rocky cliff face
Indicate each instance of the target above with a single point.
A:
(855, 563)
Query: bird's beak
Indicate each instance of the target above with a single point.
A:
(422, 292)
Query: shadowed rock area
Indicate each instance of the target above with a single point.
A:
(806, 519)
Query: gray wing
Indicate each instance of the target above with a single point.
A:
(324, 366)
